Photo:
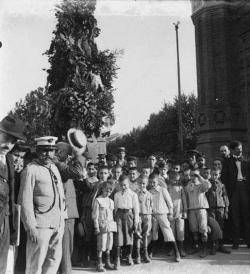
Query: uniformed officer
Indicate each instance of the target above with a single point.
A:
(43, 210)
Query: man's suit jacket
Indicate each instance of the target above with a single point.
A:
(229, 174)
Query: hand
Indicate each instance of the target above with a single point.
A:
(184, 215)
(97, 230)
(225, 215)
(33, 234)
(170, 217)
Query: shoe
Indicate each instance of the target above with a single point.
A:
(203, 253)
(108, 264)
(138, 256)
(99, 267)
(213, 249)
(117, 263)
(146, 256)
(223, 249)
(130, 260)
(194, 249)
(176, 252)
(235, 246)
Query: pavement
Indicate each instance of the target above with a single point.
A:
(236, 262)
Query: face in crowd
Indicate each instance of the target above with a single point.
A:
(152, 161)
(206, 173)
(18, 159)
(215, 175)
(131, 164)
(217, 164)
(143, 183)
(191, 159)
(121, 155)
(117, 172)
(45, 156)
(201, 161)
(103, 174)
(7, 143)
(107, 190)
(146, 171)
(91, 170)
(237, 151)
(124, 184)
(154, 182)
(224, 151)
(133, 175)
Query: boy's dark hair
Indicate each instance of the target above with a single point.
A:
(110, 182)
(90, 164)
(162, 164)
(215, 170)
(234, 144)
(206, 169)
(133, 168)
(103, 167)
(153, 176)
(176, 164)
(116, 166)
(123, 177)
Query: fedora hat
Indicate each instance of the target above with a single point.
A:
(13, 126)
(77, 138)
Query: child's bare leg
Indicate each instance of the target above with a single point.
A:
(129, 256)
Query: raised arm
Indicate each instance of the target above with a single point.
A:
(168, 200)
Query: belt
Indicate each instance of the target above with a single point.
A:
(241, 181)
(124, 210)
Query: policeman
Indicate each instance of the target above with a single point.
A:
(43, 210)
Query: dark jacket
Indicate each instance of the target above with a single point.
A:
(7, 193)
(229, 174)
(217, 195)
(70, 171)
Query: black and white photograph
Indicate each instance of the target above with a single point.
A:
(124, 136)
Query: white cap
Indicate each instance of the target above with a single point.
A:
(46, 141)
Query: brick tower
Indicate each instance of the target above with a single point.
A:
(222, 33)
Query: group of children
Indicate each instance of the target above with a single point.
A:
(124, 211)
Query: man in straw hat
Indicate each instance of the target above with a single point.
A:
(43, 209)
(11, 130)
(71, 167)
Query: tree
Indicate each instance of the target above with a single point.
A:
(80, 76)
(35, 109)
(160, 134)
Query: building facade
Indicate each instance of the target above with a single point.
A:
(222, 33)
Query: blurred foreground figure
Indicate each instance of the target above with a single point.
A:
(71, 167)
(11, 129)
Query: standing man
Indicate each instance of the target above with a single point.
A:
(11, 129)
(71, 168)
(235, 176)
(43, 210)
(121, 157)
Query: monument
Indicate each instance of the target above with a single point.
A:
(222, 33)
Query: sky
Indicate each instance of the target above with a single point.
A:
(143, 29)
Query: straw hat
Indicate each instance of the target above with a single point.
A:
(77, 138)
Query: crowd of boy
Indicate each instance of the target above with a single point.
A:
(120, 209)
